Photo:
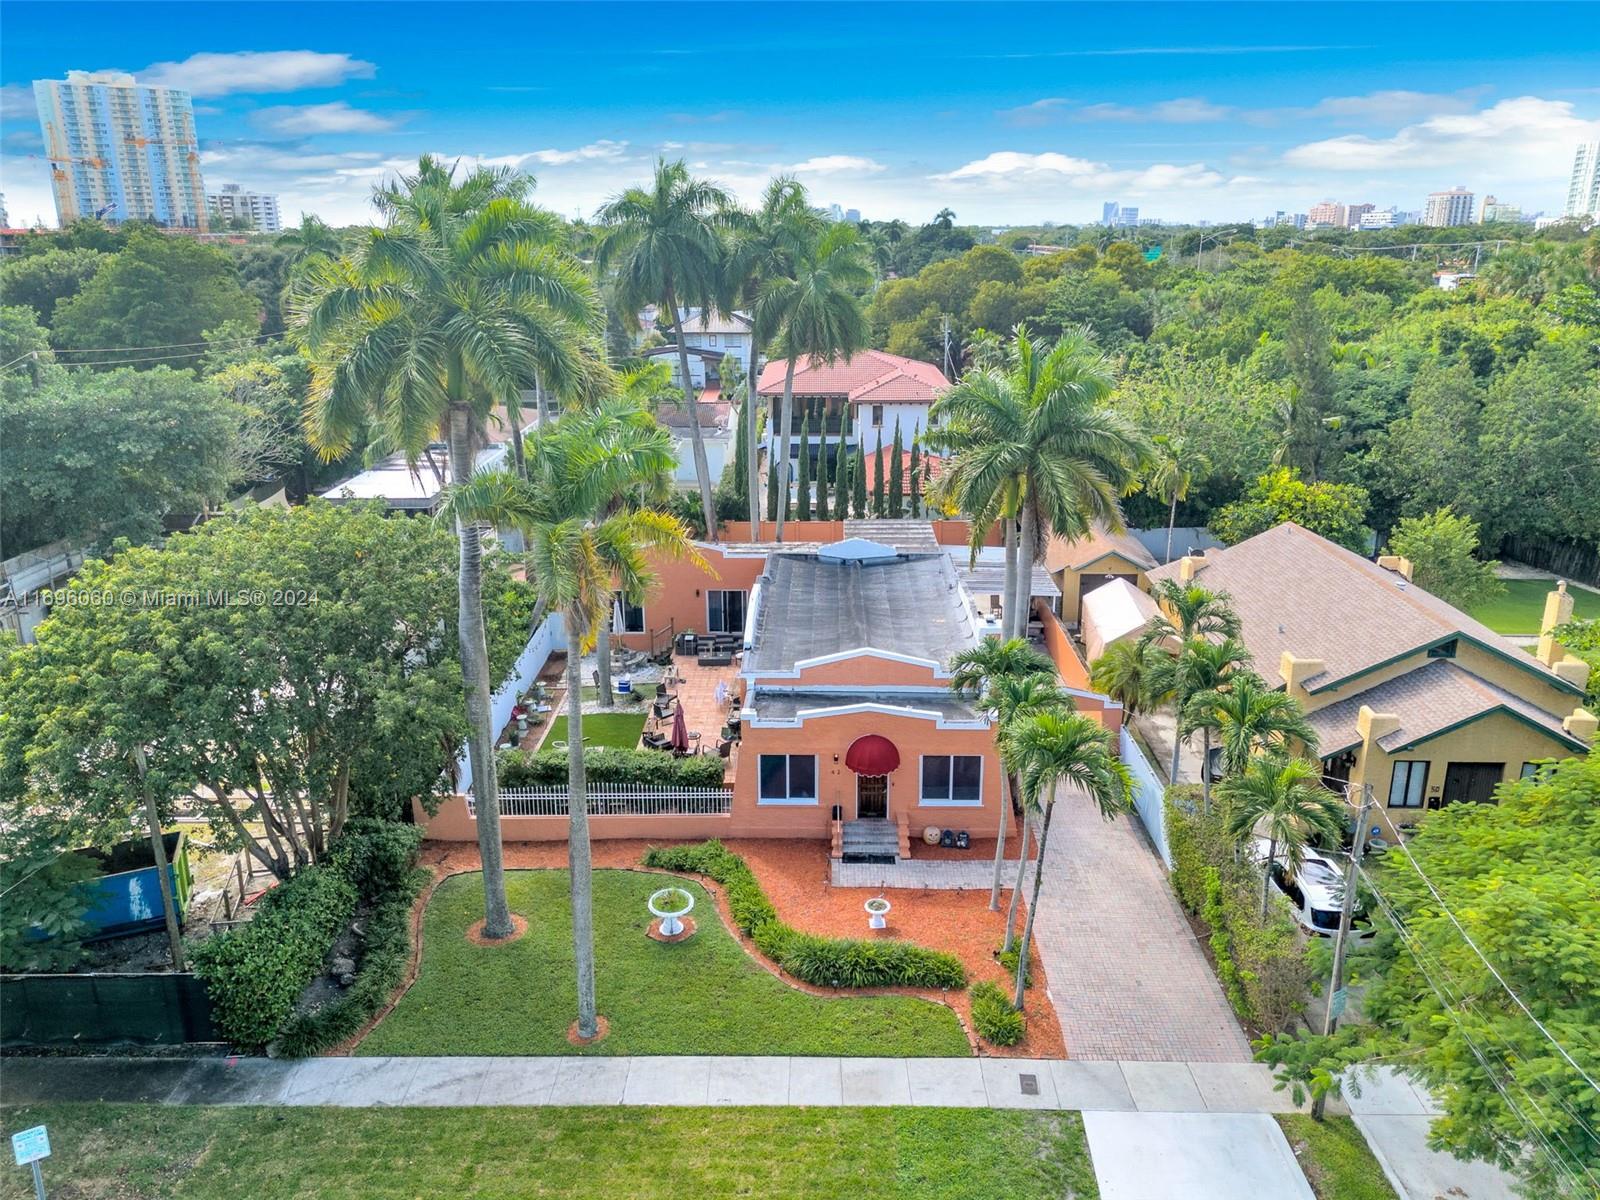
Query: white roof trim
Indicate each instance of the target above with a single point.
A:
(753, 716)
(939, 670)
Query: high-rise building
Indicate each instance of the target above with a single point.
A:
(1127, 218)
(853, 215)
(1583, 193)
(1448, 208)
(1108, 213)
(1354, 212)
(1328, 214)
(1494, 210)
(1379, 218)
(259, 208)
(5, 219)
(121, 150)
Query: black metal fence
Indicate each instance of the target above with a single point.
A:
(104, 1010)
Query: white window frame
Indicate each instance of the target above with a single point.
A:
(1411, 765)
(923, 800)
(745, 604)
(787, 800)
(877, 416)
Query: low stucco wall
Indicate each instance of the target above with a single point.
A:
(452, 823)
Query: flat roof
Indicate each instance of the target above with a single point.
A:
(402, 486)
(911, 605)
(783, 705)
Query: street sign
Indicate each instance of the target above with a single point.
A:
(30, 1145)
(1337, 1002)
(1152, 254)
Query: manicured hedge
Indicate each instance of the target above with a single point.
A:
(993, 1017)
(1262, 965)
(255, 973)
(825, 962)
(608, 766)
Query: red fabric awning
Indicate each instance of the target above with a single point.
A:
(872, 755)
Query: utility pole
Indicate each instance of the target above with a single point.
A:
(945, 319)
(1347, 904)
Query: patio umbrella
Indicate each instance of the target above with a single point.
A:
(679, 738)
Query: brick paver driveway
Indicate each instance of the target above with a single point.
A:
(1127, 978)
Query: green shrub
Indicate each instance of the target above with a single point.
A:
(993, 1017)
(1008, 959)
(383, 966)
(608, 766)
(376, 856)
(255, 973)
(822, 961)
(1263, 965)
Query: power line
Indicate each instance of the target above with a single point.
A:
(1421, 957)
(256, 337)
(151, 358)
(1466, 937)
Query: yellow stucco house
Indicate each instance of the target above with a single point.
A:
(1408, 695)
(1079, 567)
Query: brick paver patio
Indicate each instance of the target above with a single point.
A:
(1127, 978)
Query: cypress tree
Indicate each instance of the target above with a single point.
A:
(916, 478)
(803, 484)
(739, 485)
(858, 483)
(822, 470)
(897, 478)
(877, 479)
(772, 488)
(841, 470)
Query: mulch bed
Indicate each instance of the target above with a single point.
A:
(519, 926)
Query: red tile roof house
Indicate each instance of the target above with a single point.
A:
(880, 389)
(850, 731)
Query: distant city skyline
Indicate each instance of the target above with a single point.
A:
(1196, 113)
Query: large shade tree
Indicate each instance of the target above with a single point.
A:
(451, 308)
(580, 546)
(665, 244)
(1034, 439)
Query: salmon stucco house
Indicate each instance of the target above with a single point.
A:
(1408, 695)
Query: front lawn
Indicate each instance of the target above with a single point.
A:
(1519, 609)
(702, 996)
(618, 730)
(1336, 1159)
(132, 1152)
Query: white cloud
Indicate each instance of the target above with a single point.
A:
(211, 74)
(1013, 169)
(1040, 112)
(835, 164)
(1526, 133)
(16, 102)
(603, 150)
(1186, 110)
(1390, 106)
(300, 120)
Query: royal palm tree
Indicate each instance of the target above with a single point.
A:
(1185, 611)
(1200, 666)
(816, 313)
(447, 310)
(1174, 471)
(764, 246)
(980, 673)
(1048, 749)
(1034, 439)
(578, 552)
(665, 244)
(1123, 673)
(1016, 698)
(1282, 798)
(1250, 718)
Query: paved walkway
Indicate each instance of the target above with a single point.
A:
(939, 874)
(1146, 1087)
(1393, 1114)
(1126, 975)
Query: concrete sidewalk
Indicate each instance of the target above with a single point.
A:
(919, 1082)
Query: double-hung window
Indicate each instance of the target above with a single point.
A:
(952, 779)
(787, 779)
(1408, 783)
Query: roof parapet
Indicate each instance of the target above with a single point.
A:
(1295, 671)
(1374, 725)
(1399, 565)
(1190, 565)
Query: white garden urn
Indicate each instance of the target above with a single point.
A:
(670, 905)
(877, 912)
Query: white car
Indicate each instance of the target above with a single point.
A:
(1315, 891)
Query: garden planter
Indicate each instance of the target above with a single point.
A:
(670, 905)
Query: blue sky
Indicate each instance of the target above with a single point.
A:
(1005, 113)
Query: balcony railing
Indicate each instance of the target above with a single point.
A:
(614, 802)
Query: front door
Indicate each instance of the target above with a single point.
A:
(872, 797)
(1471, 782)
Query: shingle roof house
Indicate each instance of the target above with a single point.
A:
(1408, 694)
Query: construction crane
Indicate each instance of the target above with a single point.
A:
(99, 164)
